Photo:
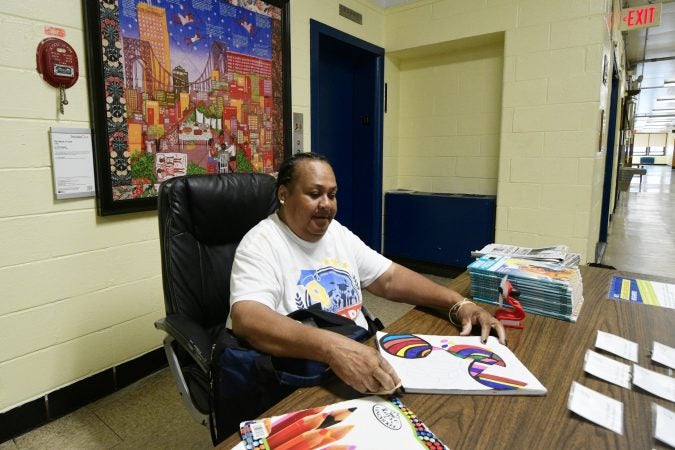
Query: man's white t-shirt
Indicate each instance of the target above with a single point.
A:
(278, 269)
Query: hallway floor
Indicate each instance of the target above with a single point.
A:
(149, 413)
(641, 232)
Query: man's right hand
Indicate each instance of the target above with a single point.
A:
(361, 367)
(358, 365)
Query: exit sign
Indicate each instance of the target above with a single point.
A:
(640, 17)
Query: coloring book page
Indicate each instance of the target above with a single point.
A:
(457, 365)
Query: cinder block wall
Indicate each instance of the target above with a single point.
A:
(549, 167)
(80, 292)
(449, 116)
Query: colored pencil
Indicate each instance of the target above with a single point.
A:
(298, 427)
(316, 438)
(337, 416)
(293, 417)
(340, 447)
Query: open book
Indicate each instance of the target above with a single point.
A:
(369, 423)
(456, 365)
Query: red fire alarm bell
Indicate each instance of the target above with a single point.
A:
(57, 63)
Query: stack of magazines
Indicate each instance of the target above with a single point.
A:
(555, 254)
(548, 279)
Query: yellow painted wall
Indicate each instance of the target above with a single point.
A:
(549, 169)
(449, 116)
(81, 292)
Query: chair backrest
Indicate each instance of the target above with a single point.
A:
(202, 219)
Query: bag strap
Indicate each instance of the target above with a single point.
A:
(374, 324)
(314, 316)
(224, 339)
(326, 319)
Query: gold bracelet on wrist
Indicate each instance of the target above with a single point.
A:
(454, 309)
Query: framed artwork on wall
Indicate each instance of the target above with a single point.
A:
(180, 87)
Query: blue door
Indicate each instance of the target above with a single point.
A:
(609, 159)
(347, 79)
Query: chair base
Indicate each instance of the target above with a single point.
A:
(181, 384)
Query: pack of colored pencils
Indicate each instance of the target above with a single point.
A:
(366, 423)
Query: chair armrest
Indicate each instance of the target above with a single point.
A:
(190, 336)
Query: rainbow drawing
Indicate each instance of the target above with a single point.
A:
(481, 359)
(406, 346)
(410, 346)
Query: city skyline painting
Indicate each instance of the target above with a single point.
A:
(185, 87)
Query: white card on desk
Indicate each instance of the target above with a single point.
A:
(596, 407)
(617, 345)
(664, 424)
(654, 382)
(607, 369)
(663, 354)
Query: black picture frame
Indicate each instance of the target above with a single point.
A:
(135, 122)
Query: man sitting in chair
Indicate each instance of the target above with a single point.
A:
(300, 256)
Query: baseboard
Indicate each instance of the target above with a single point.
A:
(63, 401)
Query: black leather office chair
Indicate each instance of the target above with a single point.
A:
(202, 218)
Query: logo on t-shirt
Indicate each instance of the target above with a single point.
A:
(333, 288)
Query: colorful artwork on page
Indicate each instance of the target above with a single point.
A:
(424, 364)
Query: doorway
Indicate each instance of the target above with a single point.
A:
(347, 88)
(605, 215)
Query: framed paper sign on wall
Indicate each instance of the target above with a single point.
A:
(180, 87)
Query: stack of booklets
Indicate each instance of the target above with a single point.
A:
(548, 288)
(369, 423)
(556, 254)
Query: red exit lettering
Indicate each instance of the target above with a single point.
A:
(640, 17)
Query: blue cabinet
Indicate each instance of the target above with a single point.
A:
(437, 228)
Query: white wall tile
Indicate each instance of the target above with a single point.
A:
(35, 238)
(578, 32)
(567, 61)
(574, 89)
(530, 39)
(529, 144)
(556, 117)
(38, 328)
(519, 194)
(570, 144)
(526, 92)
(77, 275)
(533, 12)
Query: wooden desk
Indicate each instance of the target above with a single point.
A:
(554, 351)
